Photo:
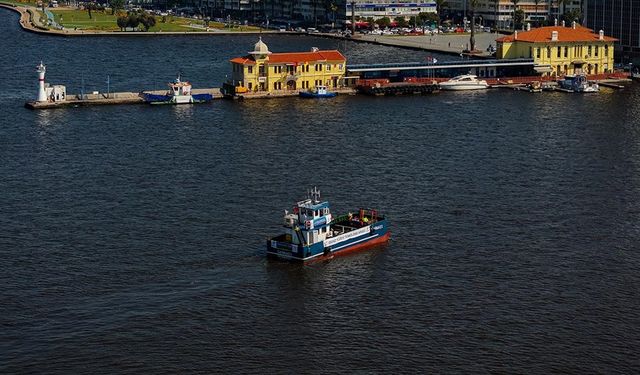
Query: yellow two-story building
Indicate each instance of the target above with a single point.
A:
(560, 50)
(264, 71)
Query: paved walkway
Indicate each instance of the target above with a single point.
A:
(446, 43)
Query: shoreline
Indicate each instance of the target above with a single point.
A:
(28, 23)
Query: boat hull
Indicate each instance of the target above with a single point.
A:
(463, 87)
(356, 240)
(183, 99)
(310, 95)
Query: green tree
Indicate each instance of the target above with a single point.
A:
(122, 22)
(132, 20)
(90, 6)
(383, 22)
(572, 15)
(147, 20)
(515, 9)
(116, 5)
(559, 3)
(430, 17)
(496, 4)
(537, 3)
(400, 22)
(440, 5)
(473, 4)
(518, 18)
(333, 8)
(370, 21)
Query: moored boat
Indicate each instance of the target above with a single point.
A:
(179, 93)
(579, 83)
(464, 82)
(313, 233)
(317, 92)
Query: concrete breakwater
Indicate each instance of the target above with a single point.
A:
(113, 98)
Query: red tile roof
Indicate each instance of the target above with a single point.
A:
(565, 34)
(302, 57)
(295, 57)
(243, 60)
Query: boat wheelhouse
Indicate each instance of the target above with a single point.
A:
(179, 93)
(312, 232)
(317, 92)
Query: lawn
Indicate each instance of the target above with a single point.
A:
(80, 19)
(20, 3)
(106, 22)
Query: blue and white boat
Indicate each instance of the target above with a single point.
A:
(179, 93)
(317, 92)
(311, 232)
(579, 83)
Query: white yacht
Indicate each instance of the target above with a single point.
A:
(464, 82)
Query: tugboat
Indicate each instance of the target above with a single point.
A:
(317, 92)
(179, 93)
(312, 233)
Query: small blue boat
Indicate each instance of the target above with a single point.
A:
(317, 92)
(313, 233)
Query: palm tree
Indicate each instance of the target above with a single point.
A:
(473, 4)
(496, 3)
(440, 5)
(559, 2)
(515, 7)
(537, 2)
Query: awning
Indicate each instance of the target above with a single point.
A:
(543, 68)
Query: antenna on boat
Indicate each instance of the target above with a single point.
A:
(314, 194)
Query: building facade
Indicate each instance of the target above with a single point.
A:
(620, 19)
(500, 12)
(277, 11)
(389, 8)
(264, 71)
(561, 50)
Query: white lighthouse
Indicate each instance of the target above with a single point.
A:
(42, 94)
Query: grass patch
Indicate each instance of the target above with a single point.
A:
(80, 19)
(32, 3)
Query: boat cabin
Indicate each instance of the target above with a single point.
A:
(179, 88)
(310, 221)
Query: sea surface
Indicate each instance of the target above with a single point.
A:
(132, 238)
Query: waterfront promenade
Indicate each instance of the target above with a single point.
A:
(445, 43)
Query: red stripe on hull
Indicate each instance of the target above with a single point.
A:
(354, 248)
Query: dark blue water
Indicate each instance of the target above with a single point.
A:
(132, 238)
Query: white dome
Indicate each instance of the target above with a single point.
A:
(260, 48)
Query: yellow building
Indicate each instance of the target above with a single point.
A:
(559, 50)
(264, 71)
